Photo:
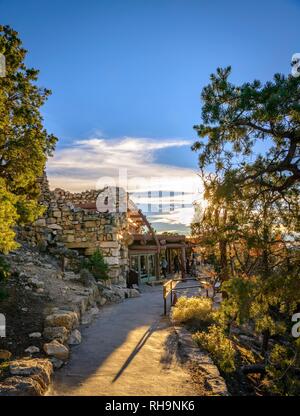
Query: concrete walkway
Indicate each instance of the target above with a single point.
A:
(130, 349)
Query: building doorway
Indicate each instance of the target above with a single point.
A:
(144, 266)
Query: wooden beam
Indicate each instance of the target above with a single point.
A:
(150, 229)
(157, 263)
(139, 237)
(173, 245)
(183, 262)
(142, 248)
(172, 238)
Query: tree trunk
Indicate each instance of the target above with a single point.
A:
(224, 275)
(223, 260)
(265, 342)
(261, 368)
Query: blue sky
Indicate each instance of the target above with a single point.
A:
(134, 69)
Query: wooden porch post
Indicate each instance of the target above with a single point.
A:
(157, 265)
(183, 262)
(169, 259)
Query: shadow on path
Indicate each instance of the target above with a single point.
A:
(127, 350)
(137, 349)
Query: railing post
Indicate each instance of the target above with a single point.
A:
(171, 286)
(165, 300)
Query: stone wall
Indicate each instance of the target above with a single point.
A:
(79, 198)
(66, 224)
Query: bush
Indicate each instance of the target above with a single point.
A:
(4, 370)
(282, 375)
(3, 293)
(219, 346)
(97, 265)
(4, 270)
(4, 275)
(192, 309)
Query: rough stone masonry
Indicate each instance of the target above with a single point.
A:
(72, 221)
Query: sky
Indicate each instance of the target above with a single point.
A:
(126, 78)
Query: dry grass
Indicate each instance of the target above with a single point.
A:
(192, 309)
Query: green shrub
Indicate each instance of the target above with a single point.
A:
(4, 275)
(219, 346)
(4, 270)
(282, 376)
(192, 309)
(3, 293)
(4, 370)
(96, 265)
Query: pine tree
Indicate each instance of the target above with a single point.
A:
(24, 143)
(251, 220)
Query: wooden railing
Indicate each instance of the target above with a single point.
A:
(171, 286)
(167, 290)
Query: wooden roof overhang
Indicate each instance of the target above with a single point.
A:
(150, 242)
(143, 250)
(145, 243)
(161, 238)
(137, 217)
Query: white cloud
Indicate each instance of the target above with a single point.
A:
(86, 164)
(178, 216)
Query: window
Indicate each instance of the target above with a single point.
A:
(151, 265)
(144, 265)
(134, 263)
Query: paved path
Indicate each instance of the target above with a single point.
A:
(130, 349)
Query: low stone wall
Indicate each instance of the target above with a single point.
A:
(77, 198)
(194, 356)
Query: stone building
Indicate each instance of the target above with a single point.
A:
(71, 220)
(121, 231)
